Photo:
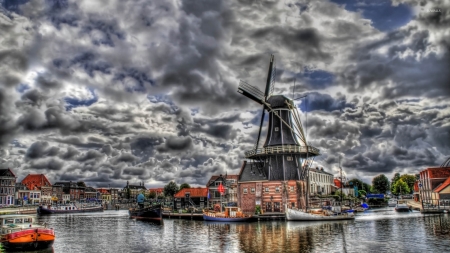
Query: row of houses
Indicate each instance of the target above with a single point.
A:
(36, 188)
(238, 190)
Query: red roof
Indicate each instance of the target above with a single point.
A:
(103, 190)
(337, 183)
(442, 186)
(157, 190)
(35, 181)
(441, 172)
(194, 192)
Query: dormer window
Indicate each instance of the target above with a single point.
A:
(277, 129)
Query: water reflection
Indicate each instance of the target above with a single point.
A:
(374, 231)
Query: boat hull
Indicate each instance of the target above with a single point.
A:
(296, 215)
(29, 239)
(225, 219)
(43, 210)
(153, 213)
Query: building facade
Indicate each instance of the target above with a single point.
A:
(39, 182)
(191, 198)
(130, 191)
(229, 196)
(320, 181)
(7, 187)
(432, 185)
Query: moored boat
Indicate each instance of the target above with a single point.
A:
(21, 232)
(392, 202)
(401, 206)
(323, 215)
(152, 213)
(230, 214)
(69, 208)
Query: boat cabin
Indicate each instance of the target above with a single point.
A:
(10, 223)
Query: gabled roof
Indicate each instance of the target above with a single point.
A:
(103, 191)
(442, 186)
(7, 173)
(89, 189)
(36, 181)
(136, 187)
(337, 183)
(194, 192)
(440, 172)
(157, 190)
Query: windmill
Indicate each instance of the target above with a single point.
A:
(285, 155)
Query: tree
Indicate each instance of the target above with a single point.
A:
(184, 185)
(380, 184)
(360, 184)
(170, 189)
(81, 183)
(400, 187)
(367, 188)
(362, 193)
(151, 195)
(395, 179)
(409, 180)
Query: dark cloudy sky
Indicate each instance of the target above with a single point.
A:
(110, 91)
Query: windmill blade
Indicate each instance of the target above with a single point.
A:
(270, 76)
(260, 127)
(251, 92)
(272, 81)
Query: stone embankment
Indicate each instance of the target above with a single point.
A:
(19, 210)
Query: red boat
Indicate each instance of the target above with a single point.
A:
(20, 232)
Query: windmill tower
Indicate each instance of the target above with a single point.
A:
(285, 154)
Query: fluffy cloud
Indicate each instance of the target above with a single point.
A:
(147, 91)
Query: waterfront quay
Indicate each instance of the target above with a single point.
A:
(375, 230)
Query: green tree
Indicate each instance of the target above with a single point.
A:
(170, 189)
(360, 184)
(81, 183)
(409, 180)
(367, 188)
(400, 187)
(151, 195)
(184, 185)
(395, 179)
(362, 193)
(380, 184)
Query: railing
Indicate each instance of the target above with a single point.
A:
(282, 149)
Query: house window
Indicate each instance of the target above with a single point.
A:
(267, 189)
(202, 199)
(253, 190)
(277, 129)
(277, 189)
(289, 158)
(245, 190)
(292, 188)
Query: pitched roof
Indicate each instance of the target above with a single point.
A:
(6, 173)
(249, 173)
(442, 186)
(157, 190)
(194, 192)
(337, 183)
(36, 181)
(440, 172)
(103, 190)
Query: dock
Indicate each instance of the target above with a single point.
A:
(418, 206)
(19, 210)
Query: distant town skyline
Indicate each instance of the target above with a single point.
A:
(146, 91)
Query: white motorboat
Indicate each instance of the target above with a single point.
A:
(324, 215)
(401, 206)
(392, 202)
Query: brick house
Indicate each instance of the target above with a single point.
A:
(39, 182)
(7, 187)
(255, 189)
(75, 191)
(230, 185)
(190, 197)
(158, 191)
(433, 184)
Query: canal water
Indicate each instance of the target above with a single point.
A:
(378, 230)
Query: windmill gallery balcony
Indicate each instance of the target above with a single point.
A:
(303, 151)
